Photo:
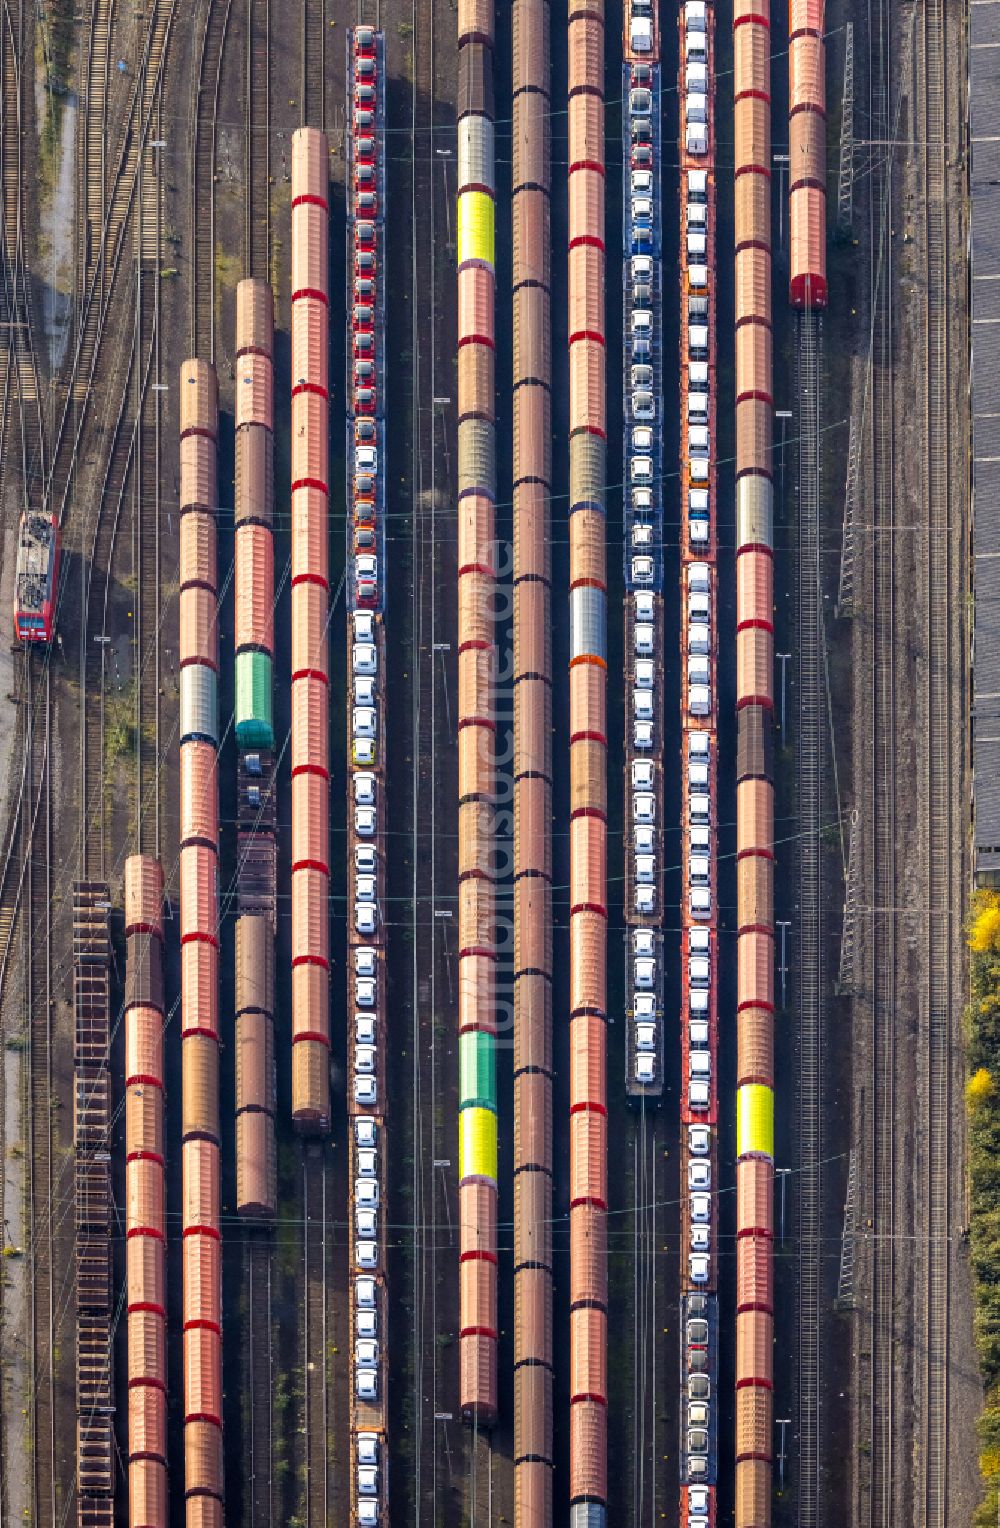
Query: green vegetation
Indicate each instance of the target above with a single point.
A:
(983, 1108)
(55, 39)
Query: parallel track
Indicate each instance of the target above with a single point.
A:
(313, 83)
(315, 1346)
(259, 1370)
(205, 132)
(257, 252)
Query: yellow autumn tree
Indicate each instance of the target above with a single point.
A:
(984, 934)
(980, 1087)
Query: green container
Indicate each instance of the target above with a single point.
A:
(254, 724)
(477, 1071)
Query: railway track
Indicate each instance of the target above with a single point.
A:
(313, 80)
(315, 1347)
(203, 150)
(259, 1381)
(257, 253)
(944, 725)
(809, 762)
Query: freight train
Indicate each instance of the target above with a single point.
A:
(36, 579)
(366, 994)
(807, 154)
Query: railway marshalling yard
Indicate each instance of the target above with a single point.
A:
(334, 1190)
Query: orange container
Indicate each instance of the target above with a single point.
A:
(200, 1184)
(199, 877)
(199, 987)
(532, 1034)
(254, 496)
(147, 1493)
(532, 1200)
(476, 609)
(586, 131)
(586, 49)
(586, 301)
(587, 1074)
(755, 1031)
(200, 1085)
(476, 295)
(255, 1165)
(254, 1061)
(588, 874)
(203, 1468)
(806, 83)
(254, 964)
(311, 527)
(754, 893)
(754, 1274)
(808, 242)
(588, 1347)
(753, 1493)
(143, 1045)
(147, 1346)
(807, 150)
(199, 398)
(587, 962)
(310, 342)
(476, 543)
(754, 664)
(147, 1421)
(311, 1087)
(143, 1120)
(532, 438)
(751, 58)
(254, 588)
(475, 914)
(588, 775)
(588, 1450)
(755, 1196)
(587, 691)
(530, 49)
(310, 915)
(143, 895)
(753, 266)
(532, 922)
(532, 1475)
(475, 21)
(199, 628)
(199, 793)
(310, 1000)
(588, 1254)
(531, 532)
(587, 385)
(754, 425)
(254, 315)
(587, 551)
(476, 745)
(530, 140)
(755, 970)
(145, 1277)
(144, 1196)
(202, 1267)
(588, 1142)
(476, 389)
(310, 721)
(754, 588)
(310, 260)
(533, 824)
(753, 360)
(476, 977)
(478, 1379)
(476, 683)
(309, 440)
(198, 490)
(478, 1293)
(753, 209)
(196, 538)
(202, 1375)
(310, 615)
(254, 391)
(533, 1313)
(806, 15)
(586, 203)
(477, 1215)
(310, 163)
(752, 119)
(754, 1343)
(310, 822)
(754, 1421)
(754, 815)
(531, 238)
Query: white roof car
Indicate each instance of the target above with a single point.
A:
(698, 971)
(645, 900)
(365, 459)
(366, 1253)
(698, 1035)
(364, 625)
(699, 870)
(696, 107)
(645, 1037)
(645, 840)
(368, 1441)
(645, 869)
(697, 1469)
(697, 774)
(365, 1220)
(643, 405)
(365, 658)
(365, 957)
(642, 266)
(365, 991)
(700, 1238)
(364, 1060)
(700, 901)
(645, 972)
(644, 1006)
(699, 1175)
(696, 45)
(368, 1514)
(698, 532)
(645, 674)
(696, 213)
(698, 469)
(364, 788)
(698, 440)
(697, 273)
(642, 438)
(698, 1268)
(641, 469)
(642, 535)
(641, 34)
(364, 690)
(699, 939)
(364, 1294)
(699, 603)
(642, 570)
(365, 919)
(699, 1385)
(696, 244)
(696, 77)
(698, 1499)
(643, 606)
(364, 721)
(365, 1131)
(364, 1028)
(699, 807)
(642, 734)
(699, 700)
(698, 374)
(642, 320)
(642, 208)
(698, 577)
(367, 1164)
(699, 639)
(697, 184)
(645, 1067)
(364, 888)
(697, 1440)
(643, 807)
(642, 182)
(367, 1480)
(701, 1208)
(642, 705)
(366, 1323)
(365, 821)
(698, 1414)
(366, 1193)
(698, 414)
(699, 1094)
(698, 338)
(698, 745)
(694, 15)
(644, 639)
(699, 1140)
(642, 771)
(365, 1091)
(643, 941)
(366, 1384)
(698, 1001)
(367, 566)
(699, 1063)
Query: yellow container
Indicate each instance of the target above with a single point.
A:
(755, 1120)
(475, 227)
(477, 1144)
